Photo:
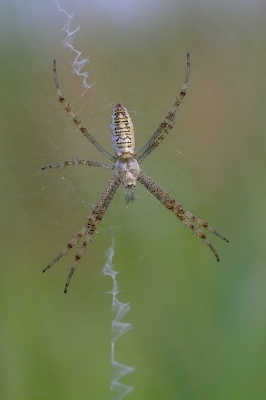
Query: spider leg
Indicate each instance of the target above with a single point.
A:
(75, 162)
(198, 232)
(183, 215)
(165, 127)
(69, 246)
(76, 120)
(203, 223)
(89, 228)
(78, 257)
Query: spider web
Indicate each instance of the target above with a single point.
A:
(198, 326)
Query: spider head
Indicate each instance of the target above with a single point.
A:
(128, 171)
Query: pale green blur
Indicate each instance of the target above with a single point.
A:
(198, 327)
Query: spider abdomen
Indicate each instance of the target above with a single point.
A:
(122, 132)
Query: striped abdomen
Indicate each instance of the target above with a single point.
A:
(122, 132)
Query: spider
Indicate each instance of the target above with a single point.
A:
(126, 172)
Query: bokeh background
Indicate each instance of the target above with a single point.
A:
(199, 328)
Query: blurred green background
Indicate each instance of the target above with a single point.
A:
(199, 328)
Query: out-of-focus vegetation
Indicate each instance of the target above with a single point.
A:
(198, 327)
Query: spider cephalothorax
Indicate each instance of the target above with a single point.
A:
(127, 172)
